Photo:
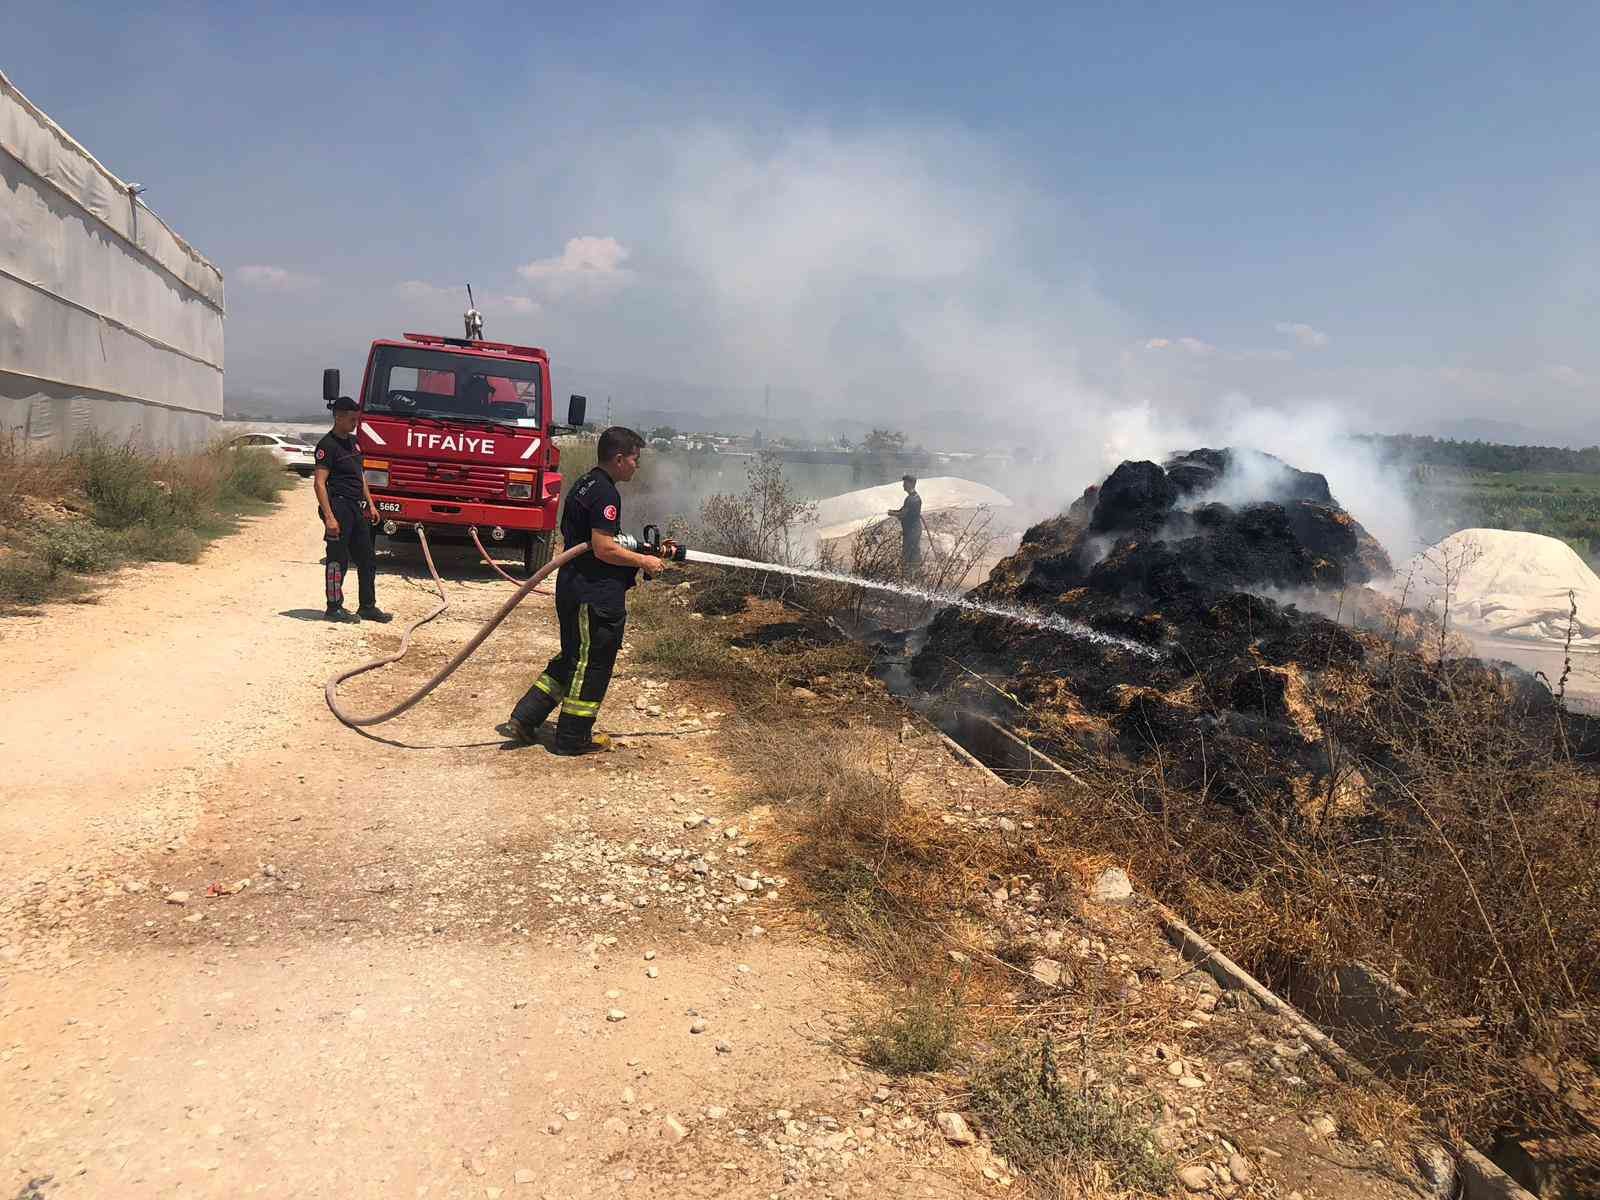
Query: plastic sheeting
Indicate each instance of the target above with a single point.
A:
(848, 514)
(109, 321)
(1506, 584)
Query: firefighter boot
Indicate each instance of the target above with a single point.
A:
(530, 713)
(575, 735)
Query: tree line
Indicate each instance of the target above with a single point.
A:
(1484, 456)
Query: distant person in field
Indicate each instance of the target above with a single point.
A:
(910, 514)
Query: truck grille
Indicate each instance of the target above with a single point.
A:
(448, 481)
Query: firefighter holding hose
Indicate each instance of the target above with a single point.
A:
(591, 602)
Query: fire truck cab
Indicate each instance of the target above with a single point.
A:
(458, 433)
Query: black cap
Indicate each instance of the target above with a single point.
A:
(345, 404)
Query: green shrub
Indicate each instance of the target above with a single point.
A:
(250, 477)
(918, 1038)
(121, 485)
(1049, 1129)
(80, 546)
(161, 543)
(27, 580)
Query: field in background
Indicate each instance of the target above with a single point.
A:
(1563, 505)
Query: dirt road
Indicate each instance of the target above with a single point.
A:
(457, 969)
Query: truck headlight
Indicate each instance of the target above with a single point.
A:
(377, 477)
(519, 491)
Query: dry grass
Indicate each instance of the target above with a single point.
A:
(1054, 1130)
(63, 517)
(1470, 875)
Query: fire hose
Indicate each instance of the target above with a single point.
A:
(330, 690)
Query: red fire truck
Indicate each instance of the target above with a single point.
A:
(458, 434)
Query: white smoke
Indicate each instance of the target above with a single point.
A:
(915, 278)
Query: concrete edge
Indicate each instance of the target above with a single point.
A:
(1479, 1178)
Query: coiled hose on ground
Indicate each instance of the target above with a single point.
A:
(331, 689)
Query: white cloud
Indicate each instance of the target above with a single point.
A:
(1192, 345)
(273, 279)
(1305, 334)
(585, 262)
(1563, 374)
(489, 303)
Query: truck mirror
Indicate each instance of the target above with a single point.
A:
(330, 385)
(577, 406)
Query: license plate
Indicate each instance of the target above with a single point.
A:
(388, 506)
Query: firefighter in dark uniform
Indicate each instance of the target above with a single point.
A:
(348, 515)
(591, 602)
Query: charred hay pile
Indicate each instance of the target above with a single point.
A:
(1249, 695)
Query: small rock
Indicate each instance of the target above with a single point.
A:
(177, 897)
(132, 886)
(1007, 825)
(1438, 1171)
(616, 1014)
(1324, 1127)
(1192, 1082)
(695, 820)
(1239, 1168)
(649, 955)
(746, 884)
(1048, 972)
(493, 1193)
(724, 1047)
(716, 1112)
(628, 1096)
(804, 695)
(1197, 1179)
(698, 1025)
(270, 871)
(651, 972)
(676, 1129)
(616, 1126)
(523, 1175)
(955, 1129)
(1112, 887)
(553, 1125)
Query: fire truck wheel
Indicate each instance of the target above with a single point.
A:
(536, 551)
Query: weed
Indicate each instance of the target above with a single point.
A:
(121, 485)
(1052, 1130)
(148, 543)
(26, 580)
(914, 1039)
(761, 523)
(80, 546)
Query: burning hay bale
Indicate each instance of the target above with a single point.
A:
(1176, 556)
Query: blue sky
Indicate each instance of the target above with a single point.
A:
(885, 210)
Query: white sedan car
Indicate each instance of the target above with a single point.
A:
(295, 453)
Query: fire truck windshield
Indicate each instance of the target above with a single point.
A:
(436, 383)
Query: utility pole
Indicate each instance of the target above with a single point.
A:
(608, 412)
